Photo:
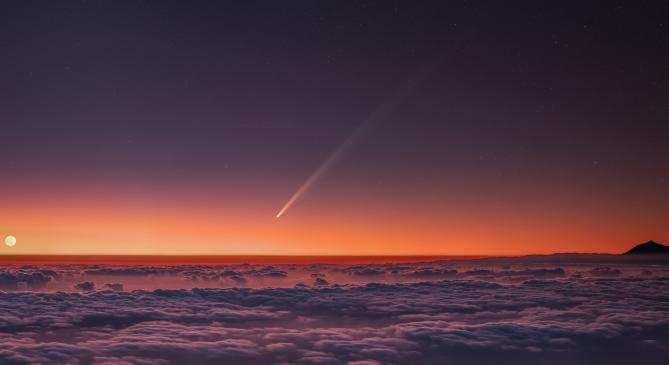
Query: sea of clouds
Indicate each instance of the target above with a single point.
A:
(504, 311)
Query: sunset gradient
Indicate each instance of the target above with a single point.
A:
(222, 221)
(157, 128)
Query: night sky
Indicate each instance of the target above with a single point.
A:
(165, 127)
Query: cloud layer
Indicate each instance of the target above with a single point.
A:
(432, 313)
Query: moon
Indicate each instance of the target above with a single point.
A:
(10, 241)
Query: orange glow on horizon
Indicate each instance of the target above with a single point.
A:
(124, 225)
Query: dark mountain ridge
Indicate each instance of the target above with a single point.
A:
(650, 247)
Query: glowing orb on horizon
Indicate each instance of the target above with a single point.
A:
(10, 241)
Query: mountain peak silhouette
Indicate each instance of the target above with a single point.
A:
(649, 247)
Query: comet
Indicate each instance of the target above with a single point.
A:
(358, 133)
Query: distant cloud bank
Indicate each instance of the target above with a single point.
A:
(431, 313)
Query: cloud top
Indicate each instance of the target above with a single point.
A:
(431, 313)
